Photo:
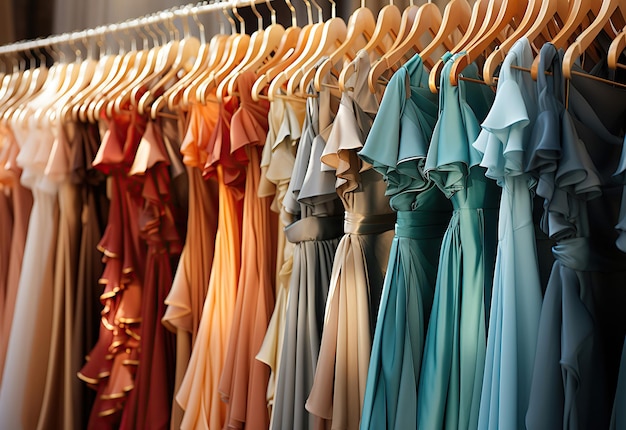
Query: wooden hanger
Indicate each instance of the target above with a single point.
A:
(173, 94)
(123, 61)
(220, 53)
(39, 78)
(188, 51)
(510, 12)
(333, 35)
(272, 42)
(580, 12)
(454, 25)
(291, 47)
(383, 38)
(238, 51)
(30, 77)
(611, 11)
(538, 12)
(477, 21)
(361, 27)
(616, 48)
(427, 21)
(144, 66)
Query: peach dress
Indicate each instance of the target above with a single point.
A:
(243, 383)
(198, 394)
(186, 297)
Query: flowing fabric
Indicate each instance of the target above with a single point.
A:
(191, 280)
(244, 380)
(198, 394)
(20, 202)
(454, 355)
(312, 199)
(397, 146)
(360, 261)
(517, 290)
(581, 328)
(26, 361)
(149, 404)
(277, 164)
(112, 363)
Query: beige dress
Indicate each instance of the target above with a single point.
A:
(279, 156)
(360, 262)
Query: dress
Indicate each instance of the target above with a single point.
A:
(397, 146)
(360, 261)
(188, 292)
(149, 403)
(517, 291)
(21, 202)
(95, 208)
(26, 362)
(57, 410)
(277, 162)
(243, 383)
(198, 394)
(313, 201)
(454, 354)
(111, 365)
(579, 160)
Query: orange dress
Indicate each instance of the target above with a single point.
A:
(186, 297)
(243, 384)
(111, 365)
(198, 394)
(20, 201)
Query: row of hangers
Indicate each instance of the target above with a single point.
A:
(172, 70)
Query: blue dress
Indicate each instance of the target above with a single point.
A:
(454, 355)
(576, 152)
(517, 294)
(396, 147)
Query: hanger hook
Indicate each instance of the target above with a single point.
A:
(259, 18)
(333, 9)
(320, 17)
(242, 23)
(294, 20)
(309, 11)
(201, 33)
(268, 3)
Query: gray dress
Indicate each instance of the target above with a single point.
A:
(581, 330)
(312, 199)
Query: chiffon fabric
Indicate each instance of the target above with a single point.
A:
(26, 362)
(313, 201)
(579, 159)
(111, 364)
(517, 291)
(198, 394)
(191, 280)
(149, 403)
(244, 380)
(277, 163)
(360, 261)
(397, 146)
(454, 355)
(19, 201)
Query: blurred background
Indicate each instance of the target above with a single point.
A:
(30, 19)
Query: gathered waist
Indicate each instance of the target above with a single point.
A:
(422, 224)
(368, 224)
(314, 228)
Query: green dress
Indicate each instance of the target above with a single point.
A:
(454, 356)
(397, 146)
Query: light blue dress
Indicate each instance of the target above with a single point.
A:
(397, 146)
(454, 355)
(517, 293)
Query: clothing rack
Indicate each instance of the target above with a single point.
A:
(165, 15)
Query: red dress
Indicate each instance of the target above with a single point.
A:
(111, 364)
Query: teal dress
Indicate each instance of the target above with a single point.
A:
(396, 147)
(517, 294)
(454, 355)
